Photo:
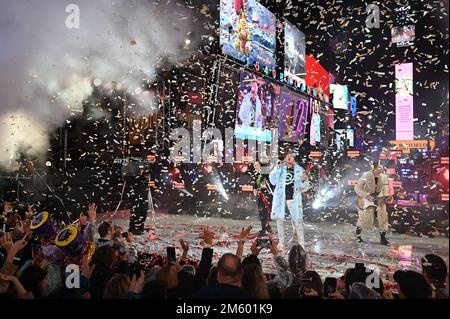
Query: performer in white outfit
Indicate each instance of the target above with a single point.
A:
(373, 193)
(289, 181)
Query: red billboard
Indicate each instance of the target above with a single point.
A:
(317, 78)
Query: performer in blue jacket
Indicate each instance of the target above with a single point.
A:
(290, 182)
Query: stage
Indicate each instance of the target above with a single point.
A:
(331, 247)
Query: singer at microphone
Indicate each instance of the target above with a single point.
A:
(290, 182)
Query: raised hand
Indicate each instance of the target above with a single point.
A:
(184, 245)
(92, 213)
(86, 269)
(245, 233)
(255, 249)
(208, 236)
(273, 248)
(137, 283)
(6, 242)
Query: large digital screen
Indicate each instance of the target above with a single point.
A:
(315, 132)
(256, 107)
(293, 117)
(403, 35)
(248, 33)
(340, 96)
(294, 55)
(404, 102)
(317, 78)
(343, 135)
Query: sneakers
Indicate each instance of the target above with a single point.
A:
(383, 240)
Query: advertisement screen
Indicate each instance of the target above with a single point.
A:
(315, 130)
(248, 33)
(317, 78)
(256, 107)
(294, 55)
(353, 105)
(404, 102)
(405, 33)
(293, 117)
(340, 96)
(343, 136)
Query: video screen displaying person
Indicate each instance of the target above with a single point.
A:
(293, 117)
(255, 111)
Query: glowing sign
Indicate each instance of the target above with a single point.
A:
(340, 96)
(404, 102)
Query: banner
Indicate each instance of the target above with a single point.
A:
(404, 102)
(406, 146)
(317, 78)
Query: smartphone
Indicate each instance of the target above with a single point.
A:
(305, 286)
(329, 286)
(359, 265)
(171, 255)
(135, 269)
(263, 242)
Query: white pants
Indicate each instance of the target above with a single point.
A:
(297, 226)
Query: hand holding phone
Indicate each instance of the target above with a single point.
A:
(329, 286)
(305, 286)
(171, 255)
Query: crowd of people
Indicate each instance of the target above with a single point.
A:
(34, 267)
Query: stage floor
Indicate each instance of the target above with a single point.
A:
(331, 247)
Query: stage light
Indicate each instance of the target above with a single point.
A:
(48, 164)
(187, 41)
(370, 117)
(317, 204)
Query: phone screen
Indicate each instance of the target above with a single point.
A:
(329, 286)
(263, 242)
(171, 255)
(135, 269)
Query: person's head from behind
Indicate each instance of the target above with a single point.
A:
(250, 259)
(153, 290)
(297, 260)
(117, 287)
(253, 282)
(434, 270)
(360, 291)
(229, 270)
(316, 284)
(363, 275)
(413, 285)
(104, 257)
(105, 230)
(186, 281)
(35, 280)
(168, 276)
